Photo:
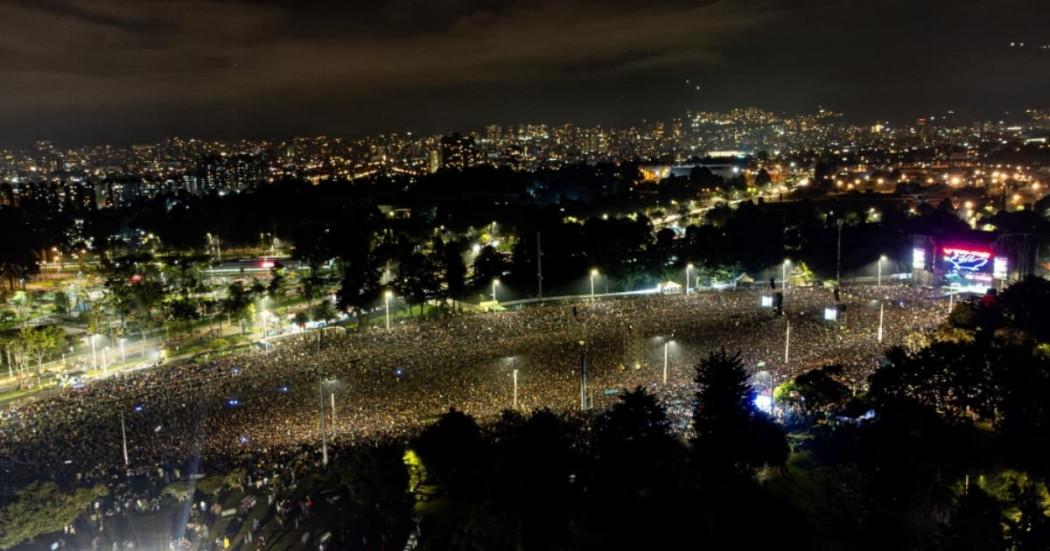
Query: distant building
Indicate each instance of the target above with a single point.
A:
(230, 173)
(433, 161)
(725, 168)
(459, 152)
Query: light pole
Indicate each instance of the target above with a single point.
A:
(583, 376)
(838, 256)
(594, 273)
(878, 280)
(123, 358)
(105, 362)
(784, 274)
(688, 268)
(772, 388)
(332, 396)
(515, 396)
(94, 356)
(386, 301)
(787, 344)
(495, 283)
(880, 321)
(324, 435)
(666, 345)
(124, 438)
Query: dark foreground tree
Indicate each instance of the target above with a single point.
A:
(451, 451)
(730, 435)
(42, 508)
(976, 524)
(359, 290)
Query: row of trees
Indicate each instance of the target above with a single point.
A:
(340, 221)
(27, 348)
(952, 429)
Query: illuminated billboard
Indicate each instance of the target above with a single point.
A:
(1000, 268)
(965, 265)
(918, 259)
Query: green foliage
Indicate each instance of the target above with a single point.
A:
(42, 508)
(37, 343)
(60, 300)
(730, 436)
(324, 311)
(1028, 525)
(934, 376)
(278, 285)
(134, 286)
(976, 523)
(454, 269)
(181, 491)
(211, 485)
(377, 478)
(238, 302)
(418, 278)
(817, 392)
(451, 450)
(1026, 306)
(359, 289)
(490, 264)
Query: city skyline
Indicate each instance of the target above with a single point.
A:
(122, 72)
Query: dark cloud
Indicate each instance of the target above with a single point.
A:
(129, 70)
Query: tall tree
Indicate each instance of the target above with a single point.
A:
(976, 523)
(730, 434)
(238, 302)
(18, 244)
(490, 264)
(360, 291)
(417, 278)
(455, 270)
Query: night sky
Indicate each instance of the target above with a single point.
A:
(125, 71)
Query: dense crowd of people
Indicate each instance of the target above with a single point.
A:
(387, 383)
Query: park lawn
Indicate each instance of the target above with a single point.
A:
(16, 394)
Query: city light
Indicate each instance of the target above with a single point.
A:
(211, 213)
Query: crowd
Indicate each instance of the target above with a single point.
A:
(377, 383)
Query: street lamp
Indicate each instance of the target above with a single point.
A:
(880, 321)
(594, 273)
(324, 433)
(332, 396)
(784, 274)
(688, 268)
(124, 439)
(94, 356)
(878, 281)
(667, 344)
(123, 358)
(515, 400)
(386, 301)
(495, 283)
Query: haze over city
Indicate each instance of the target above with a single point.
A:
(81, 72)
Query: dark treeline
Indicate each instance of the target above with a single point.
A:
(587, 217)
